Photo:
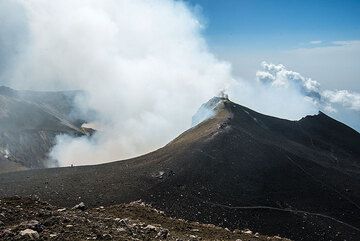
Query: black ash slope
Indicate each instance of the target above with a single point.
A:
(299, 179)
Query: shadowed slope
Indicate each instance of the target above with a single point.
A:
(239, 168)
(29, 123)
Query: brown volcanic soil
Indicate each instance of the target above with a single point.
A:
(239, 169)
(134, 221)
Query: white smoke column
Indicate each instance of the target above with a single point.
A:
(144, 65)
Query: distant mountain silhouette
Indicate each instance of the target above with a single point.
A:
(239, 169)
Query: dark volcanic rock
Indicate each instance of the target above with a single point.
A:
(238, 169)
(80, 206)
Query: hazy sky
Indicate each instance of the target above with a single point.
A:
(303, 35)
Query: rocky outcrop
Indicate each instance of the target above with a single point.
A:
(133, 221)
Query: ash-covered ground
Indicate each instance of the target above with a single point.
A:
(238, 169)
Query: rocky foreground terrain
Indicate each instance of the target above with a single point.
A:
(30, 219)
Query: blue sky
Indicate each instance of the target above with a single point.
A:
(302, 35)
(263, 24)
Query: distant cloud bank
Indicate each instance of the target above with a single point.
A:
(316, 42)
(279, 76)
(344, 97)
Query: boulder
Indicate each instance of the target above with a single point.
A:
(29, 233)
(80, 206)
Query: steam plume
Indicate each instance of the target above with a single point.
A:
(145, 69)
(144, 65)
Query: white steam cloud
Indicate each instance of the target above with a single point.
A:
(145, 69)
(143, 64)
(278, 75)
